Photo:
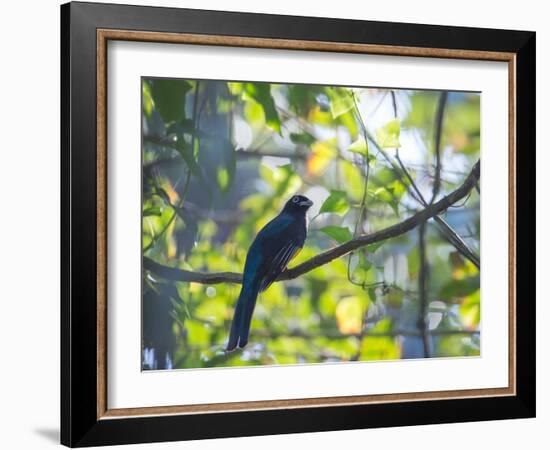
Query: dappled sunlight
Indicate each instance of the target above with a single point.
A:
(221, 159)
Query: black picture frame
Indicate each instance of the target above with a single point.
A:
(80, 425)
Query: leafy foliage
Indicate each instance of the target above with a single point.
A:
(336, 202)
(219, 161)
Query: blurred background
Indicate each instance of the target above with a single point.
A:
(219, 161)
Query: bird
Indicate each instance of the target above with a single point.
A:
(275, 245)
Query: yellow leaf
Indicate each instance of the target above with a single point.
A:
(320, 157)
(349, 315)
(470, 310)
(170, 191)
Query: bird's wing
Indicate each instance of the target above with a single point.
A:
(276, 265)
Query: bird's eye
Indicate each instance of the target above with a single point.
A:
(295, 199)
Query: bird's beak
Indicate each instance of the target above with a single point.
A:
(306, 203)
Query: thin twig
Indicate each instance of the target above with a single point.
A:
(365, 190)
(422, 290)
(446, 230)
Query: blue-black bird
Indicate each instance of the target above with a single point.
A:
(275, 245)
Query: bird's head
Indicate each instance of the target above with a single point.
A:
(298, 203)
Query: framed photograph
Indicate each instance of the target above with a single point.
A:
(277, 224)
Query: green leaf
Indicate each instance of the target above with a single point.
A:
(354, 179)
(348, 120)
(359, 146)
(380, 347)
(397, 189)
(394, 298)
(254, 114)
(413, 261)
(223, 178)
(459, 288)
(302, 138)
(388, 135)
(218, 158)
(383, 177)
(147, 101)
(336, 202)
(235, 88)
(286, 169)
(383, 194)
(341, 101)
(302, 98)
(261, 93)
(361, 271)
(152, 211)
(169, 98)
(339, 234)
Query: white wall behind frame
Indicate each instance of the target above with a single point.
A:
(29, 322)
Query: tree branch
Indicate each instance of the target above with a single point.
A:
(175, 274)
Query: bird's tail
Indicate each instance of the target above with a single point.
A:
(240, 326)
